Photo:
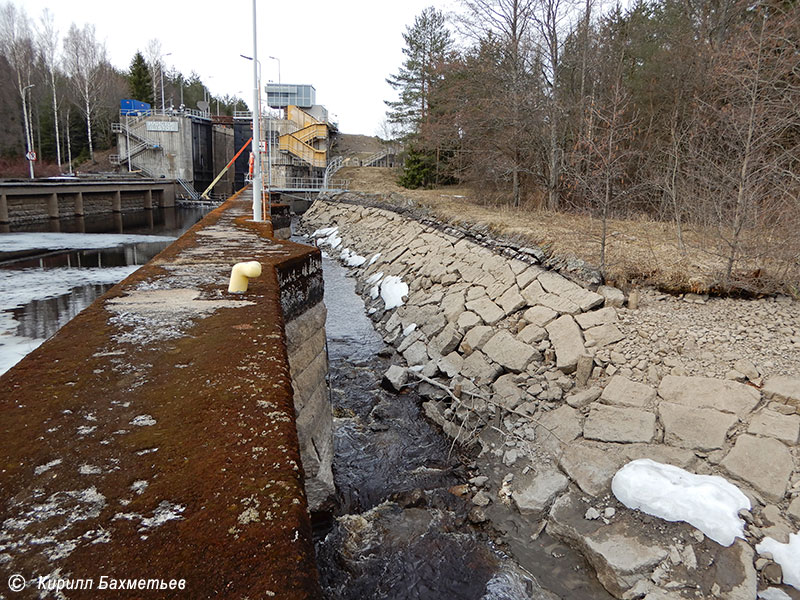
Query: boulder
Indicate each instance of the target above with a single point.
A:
(531, 334)
(695, 428)
(772, 424)
(535, 498)
(613, 296)
(764, 463)
(539, 315)
(706, 392)
(395, 378)
(477, 368)
(506, 392)
(603, 335)
(567, 341)
(621, 391)
(511, 301)
(594, 318)
(487, 310)
(475, 339)
(561, 286)
(613, 424)
(504, 349)
(783, 389)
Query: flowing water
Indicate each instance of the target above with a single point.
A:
(397, 532)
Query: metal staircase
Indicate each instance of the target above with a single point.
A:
(297, 142)
(193, 193)
(142, 143)
(375, 159)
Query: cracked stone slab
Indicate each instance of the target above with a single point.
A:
(696, 428)
(536, 497)
(594, 318)
(621, 391)
(785, 428)
(509, 352)
(615, 424)
(764, 463)
(567, 340)
(783, 389)
(705, 392)
(604, 335)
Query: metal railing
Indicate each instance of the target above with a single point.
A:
(371, 160)
(311, 184)
(193, 193)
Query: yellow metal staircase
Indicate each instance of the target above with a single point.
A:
(297, 142)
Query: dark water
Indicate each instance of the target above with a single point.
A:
(398, 532)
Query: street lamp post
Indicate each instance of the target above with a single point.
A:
(162, 81)
(257, 185)
(257, 131)
(28, 135)
(279, 67)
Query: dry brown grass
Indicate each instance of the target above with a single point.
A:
(638, 252)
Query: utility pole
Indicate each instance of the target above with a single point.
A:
(257, 185)
(28, 127)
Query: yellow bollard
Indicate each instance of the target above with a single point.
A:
(241, 273)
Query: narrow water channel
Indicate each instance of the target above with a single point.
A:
(400, 530)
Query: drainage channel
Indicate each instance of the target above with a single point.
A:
(400, 528)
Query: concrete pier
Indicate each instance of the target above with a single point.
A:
(154, 440)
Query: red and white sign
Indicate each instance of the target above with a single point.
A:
(31, 155)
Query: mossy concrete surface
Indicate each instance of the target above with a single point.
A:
(154, 436)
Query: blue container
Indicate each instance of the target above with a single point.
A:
(131, 107)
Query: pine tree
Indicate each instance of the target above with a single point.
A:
(139, 80)
(427, 45)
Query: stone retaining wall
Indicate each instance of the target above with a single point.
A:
(518, 362)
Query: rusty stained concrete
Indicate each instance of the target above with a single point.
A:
(154, 435)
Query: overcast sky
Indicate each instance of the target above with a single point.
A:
(344, 48)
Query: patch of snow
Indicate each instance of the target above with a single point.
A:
(15, 242)
(786, 555)
(375, 278)
(325, 254)
(373, 259)
(374, 291)
(139, 486)
(89, 470)
(324, 232)
(165, 511)
(409, 328)
(46, 467)
(708, 502)
(86, 429)
(143, 421)
(392, 291)
(773, 594)
(146, 451)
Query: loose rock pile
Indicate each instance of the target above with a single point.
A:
(580, 385)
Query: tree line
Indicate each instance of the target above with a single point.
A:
(678, 110)
(61, 93)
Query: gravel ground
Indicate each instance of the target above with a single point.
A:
(694, 336)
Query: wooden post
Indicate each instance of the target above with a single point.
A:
(52, 206)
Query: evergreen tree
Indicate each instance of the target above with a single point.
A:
(139, 80)
(427, 45)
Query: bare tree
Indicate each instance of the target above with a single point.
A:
(507, 27)
(550, 18)
(746, 146)
(16, 46)
(153, 55)
(48, 42)
(84, 59)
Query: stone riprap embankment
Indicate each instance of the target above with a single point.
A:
(556, 388)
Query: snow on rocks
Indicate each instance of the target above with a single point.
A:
(786, 555)
(708, 502)
(393, 290)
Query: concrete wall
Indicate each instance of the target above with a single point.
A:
(21, 203)
(156, 434)
(223, 152)
(173, 158)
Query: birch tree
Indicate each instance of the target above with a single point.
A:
(48, 41)
(84, 58)
(16, 46)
